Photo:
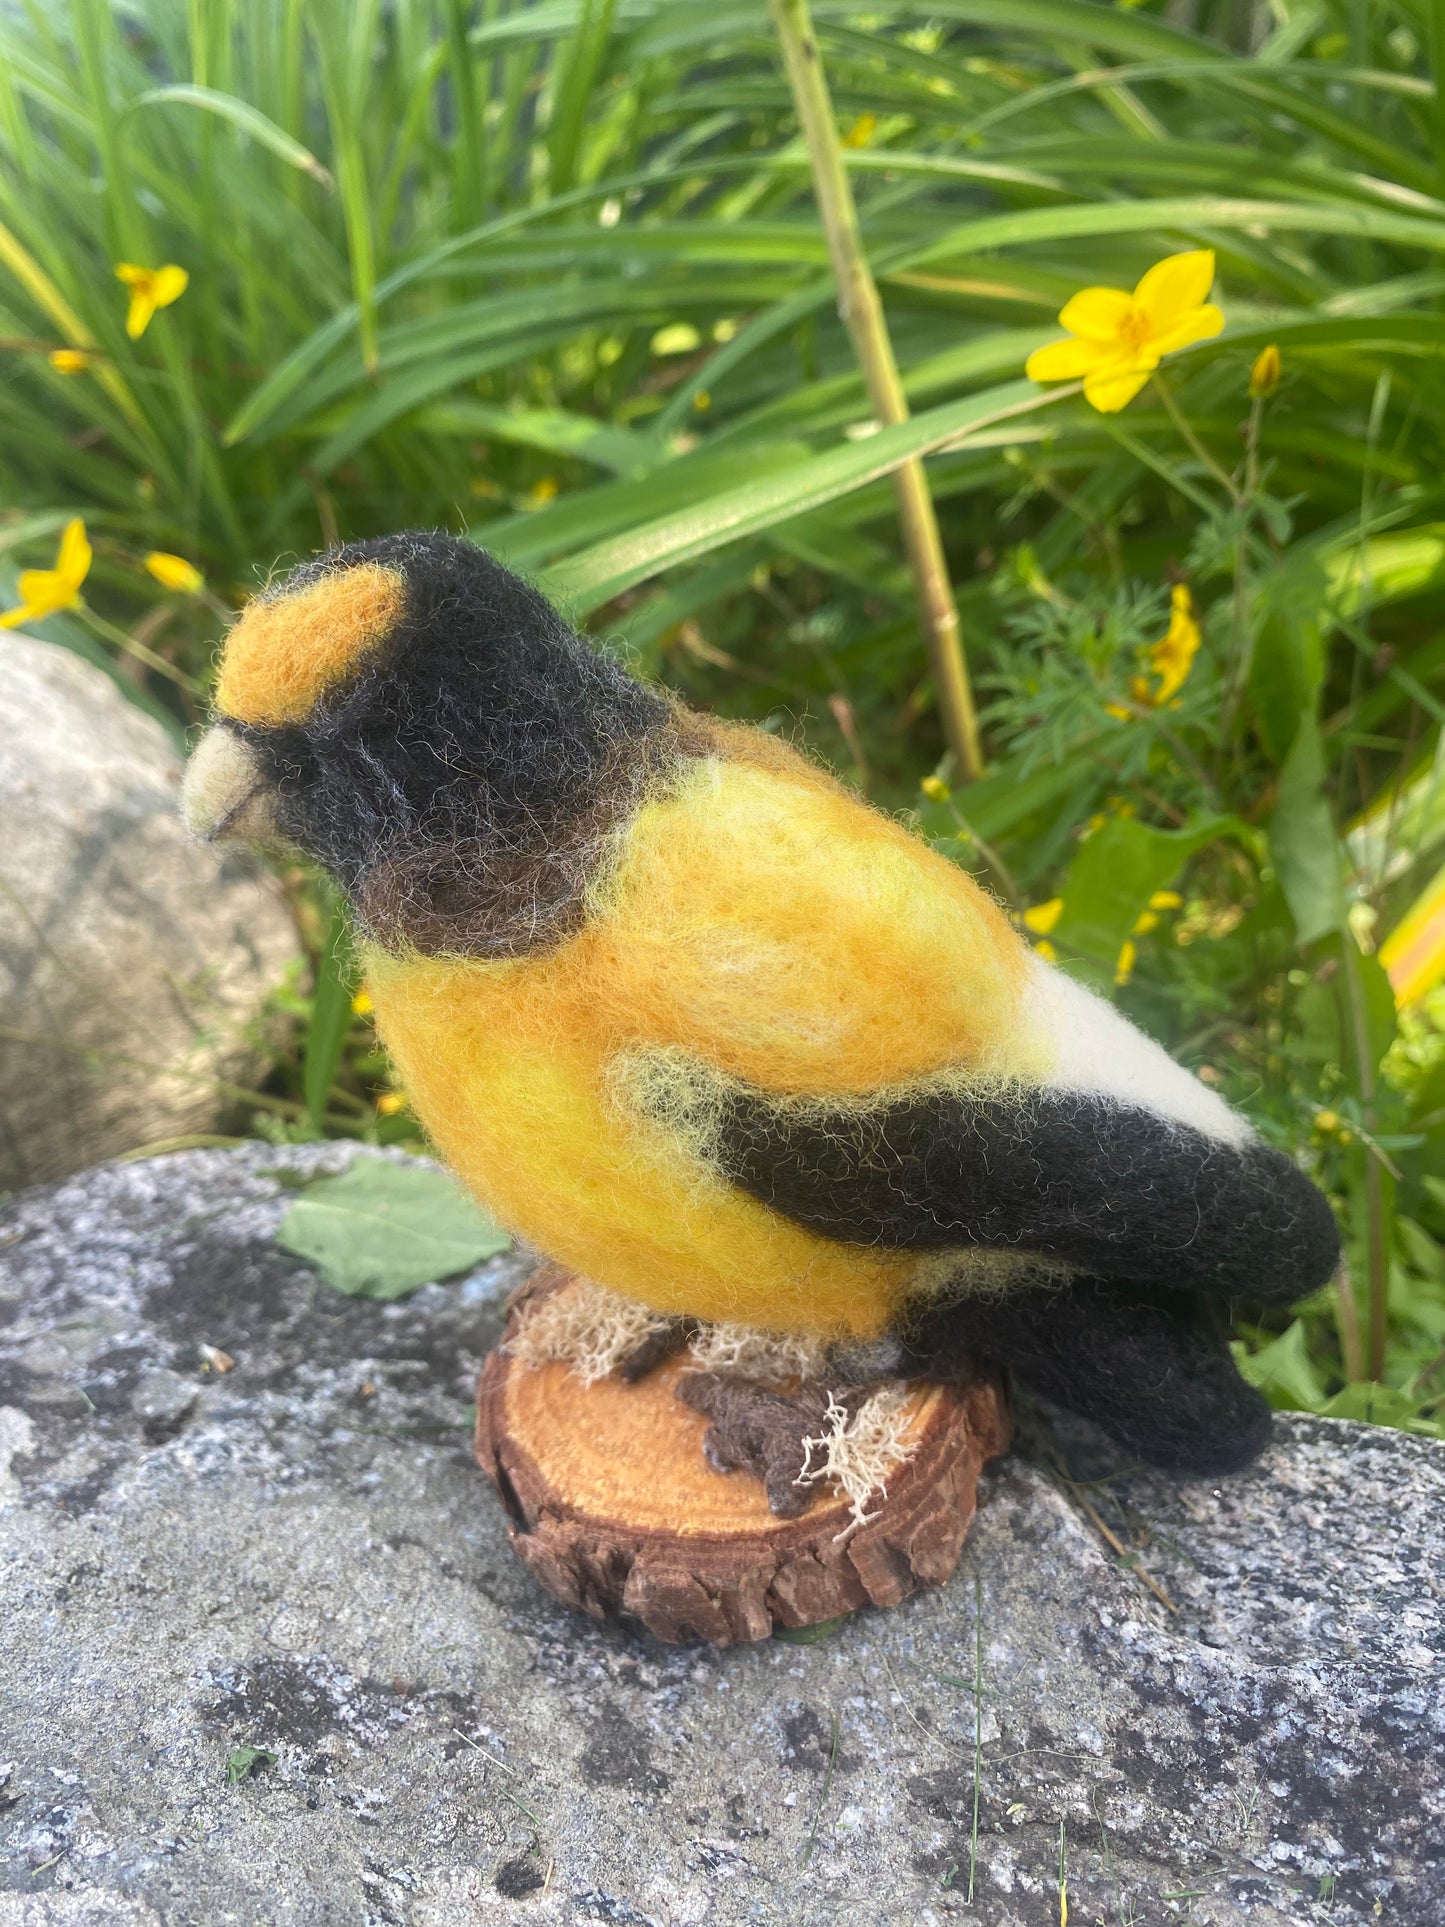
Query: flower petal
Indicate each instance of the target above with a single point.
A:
(1111, 388)
(142, 307)
(1063, 360)
(1097, 314)
(37, 586)
(1173, 286)
(169, 284)
(1043, 917)
(72, 564)
(42, 592)
(132, 276)
(1200, 324)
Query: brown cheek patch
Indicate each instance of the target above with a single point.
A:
(281, 655)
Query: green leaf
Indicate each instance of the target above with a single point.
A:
(1420, 1250)
(1284, 1372)
(246, 119)
(1302, 840)
(381, 1230)
(1111, 880)
(810, 1635)
(245, 1762)
(1288, 662)
(1381, 1405)
(1006, 797)
(594, 577)
(1377, 998)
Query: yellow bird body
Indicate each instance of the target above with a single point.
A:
(756, 921)
(696, 1021)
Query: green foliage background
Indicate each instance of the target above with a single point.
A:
(552, 274)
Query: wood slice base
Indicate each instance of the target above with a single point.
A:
(612, 1504)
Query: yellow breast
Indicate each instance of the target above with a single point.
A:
(764, 924)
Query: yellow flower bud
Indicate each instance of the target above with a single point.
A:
(1327, 1122)
(1124, 968)
(935, 789)
(1165, 900)
(390, 1102)
(175, 573)
(361, 1004)
(1043, 948)
(1264, 375)
(69, 361)
(1146, 921)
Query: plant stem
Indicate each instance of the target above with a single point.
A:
(1241, 640)
(132, 646)
(1376, 1243)
(1351, 1345)
(862, 313)
(1193, 443)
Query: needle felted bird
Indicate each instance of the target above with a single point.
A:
(711, 1031)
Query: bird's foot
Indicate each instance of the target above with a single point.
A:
(766, 1432)
(659, 1345)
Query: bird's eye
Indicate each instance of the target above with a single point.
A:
(286, 652)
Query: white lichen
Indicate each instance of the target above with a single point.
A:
(856, 1454)
(586, 1327)
(741, 1351)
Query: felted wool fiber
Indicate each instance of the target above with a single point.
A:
(693, 1018)
(282, 657)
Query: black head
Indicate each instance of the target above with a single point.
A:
(426, 727)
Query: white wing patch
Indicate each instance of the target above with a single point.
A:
(1098, 1051)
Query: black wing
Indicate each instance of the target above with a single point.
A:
(1105, 1188)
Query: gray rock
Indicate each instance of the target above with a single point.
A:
(279, 1665)
(134, 964)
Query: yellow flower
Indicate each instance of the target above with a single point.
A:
(68, 361)
(1119, 339)
(1172, 657)
(361, 1004)
(1165, 900)
(174, 572)
(862, 131)
(1043, 948)
(935, 789)
(545, 489)
(150, 288)
(1264, 375)
(44, 592)
(390, 1102)
(1124, 968)
(1146, 921)
(1043, 918)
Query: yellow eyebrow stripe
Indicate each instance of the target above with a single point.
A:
(283, 654)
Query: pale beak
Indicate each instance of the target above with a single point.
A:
(225, 796)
